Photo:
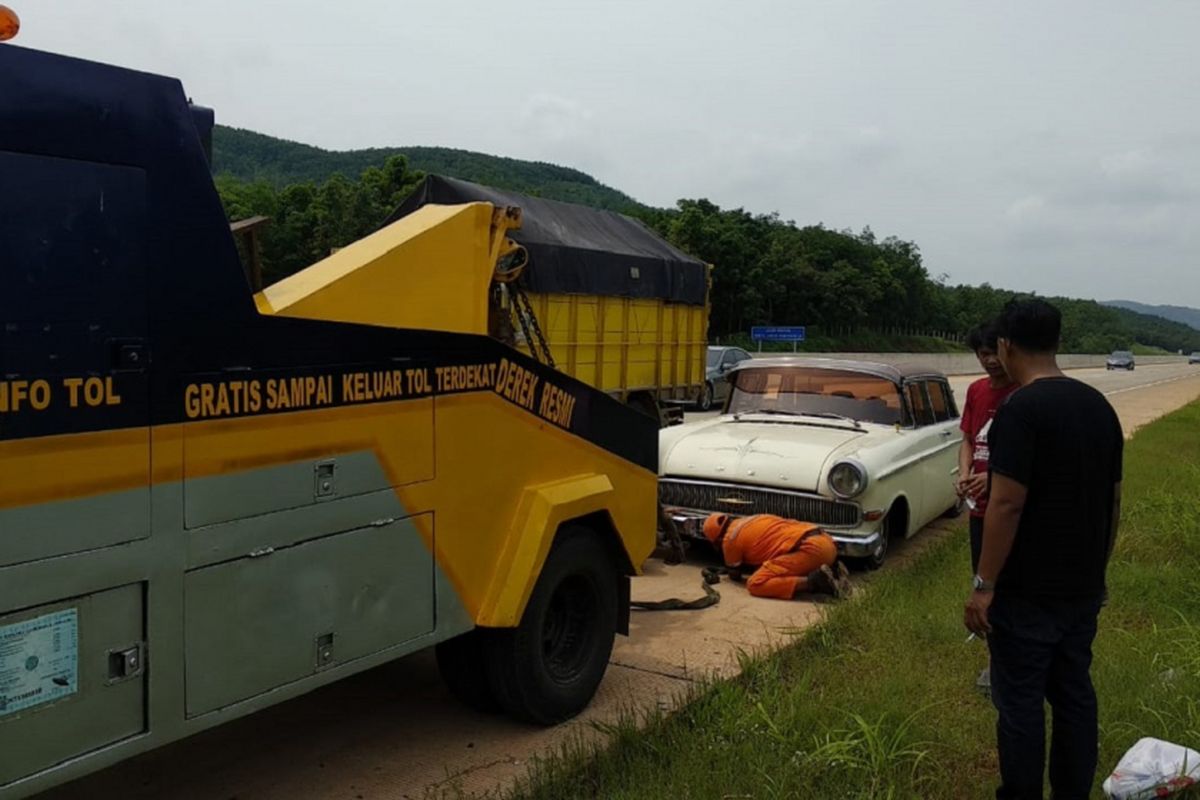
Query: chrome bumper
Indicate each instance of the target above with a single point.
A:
(851, 544)
(857, 546)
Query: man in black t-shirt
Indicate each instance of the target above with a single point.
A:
(1055, 489)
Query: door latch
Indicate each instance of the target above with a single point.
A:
(323, 654)
(130, 355)
(126, 663)
(324, 485)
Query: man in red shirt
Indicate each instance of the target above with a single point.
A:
(984, 396)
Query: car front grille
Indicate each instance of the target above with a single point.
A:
(733, 498)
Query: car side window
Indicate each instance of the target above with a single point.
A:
(919, 402)
(941, 401)
(741, 355)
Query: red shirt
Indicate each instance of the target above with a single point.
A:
(982, 402)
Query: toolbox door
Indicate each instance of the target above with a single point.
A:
(74, 357)
(72, 679)
(280, 616)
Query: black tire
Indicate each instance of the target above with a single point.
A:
(955, 510)
(547, 669)
(463, 669)
(888, 529)
(705, 401)
(876, 559)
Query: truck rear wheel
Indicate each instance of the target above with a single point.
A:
(547, 669)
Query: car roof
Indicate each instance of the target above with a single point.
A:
(895, 374)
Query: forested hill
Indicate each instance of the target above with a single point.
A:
(851, 289)
(1182, 314)
(251, 157)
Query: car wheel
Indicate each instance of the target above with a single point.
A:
(547, 669)
(955, 510)
(463, 669)
(876, 559)
(705, 401)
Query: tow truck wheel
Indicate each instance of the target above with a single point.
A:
(461, 664)
(547, 669)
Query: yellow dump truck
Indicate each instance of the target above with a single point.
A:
(211, 501)
(612, 303)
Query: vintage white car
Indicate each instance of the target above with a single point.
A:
(867, 451)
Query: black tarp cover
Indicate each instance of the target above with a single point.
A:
(574, 249)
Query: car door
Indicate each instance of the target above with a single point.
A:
(944, 464)
(721, 384)
(738, 356)
(929, 440)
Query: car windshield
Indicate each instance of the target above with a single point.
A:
(1122, 354)
(714, 356)
(818, 392)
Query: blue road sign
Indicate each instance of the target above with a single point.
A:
(777, 333)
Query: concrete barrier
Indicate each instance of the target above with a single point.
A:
(967, 364)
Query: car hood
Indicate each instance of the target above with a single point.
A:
(787, 453)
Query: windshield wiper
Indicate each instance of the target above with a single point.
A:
(830, 415)
(816, 414)
(769, 411)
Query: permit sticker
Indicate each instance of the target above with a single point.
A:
(39, 660)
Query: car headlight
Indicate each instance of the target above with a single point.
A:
(847, 479)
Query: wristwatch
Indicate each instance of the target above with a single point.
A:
(980, 585)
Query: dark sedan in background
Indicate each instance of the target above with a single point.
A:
(1120, 359)
(716, 385)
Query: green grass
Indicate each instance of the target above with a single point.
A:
(878, 701)
(1149, 350)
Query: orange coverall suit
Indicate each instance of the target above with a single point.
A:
(774, 545)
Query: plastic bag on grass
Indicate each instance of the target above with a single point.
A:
(1153, 768)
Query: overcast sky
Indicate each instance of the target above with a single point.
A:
(1047, 146)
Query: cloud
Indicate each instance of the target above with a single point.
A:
(1026, 208)
(554, 119)
(1128, 198)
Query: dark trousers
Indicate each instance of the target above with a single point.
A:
(1042, 651)
(976, 528)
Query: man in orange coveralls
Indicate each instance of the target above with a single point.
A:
(789, 558)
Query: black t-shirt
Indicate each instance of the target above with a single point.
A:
(1062, 440)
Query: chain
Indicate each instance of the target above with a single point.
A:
(522, 308)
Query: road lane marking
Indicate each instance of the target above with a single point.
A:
(1148, 385)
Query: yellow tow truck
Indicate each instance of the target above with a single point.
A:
(212, 501)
